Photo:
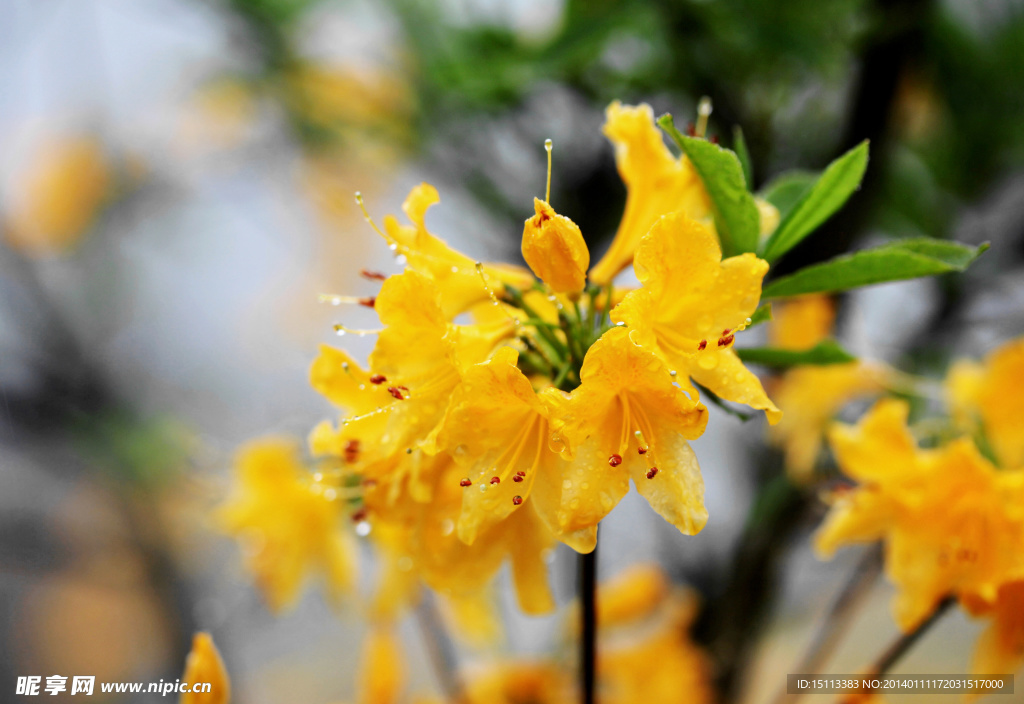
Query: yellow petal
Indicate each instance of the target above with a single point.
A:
(382, 672)
(553, 246)
(801, 323)
(729, 379)
(656, 183)
(204, 665)
(880, 447)
(631, 595)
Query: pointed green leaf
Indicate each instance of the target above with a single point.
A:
(896, 261)
(785, 190)
(736, 217)
(826, 352)
(739, 143)
(836, 184)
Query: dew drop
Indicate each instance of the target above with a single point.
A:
(330, 494)
(707, 361)
(363, 529)
(447, 526)
(567, 484)
(393, 247)
(318, 477)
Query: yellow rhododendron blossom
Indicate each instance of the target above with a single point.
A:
(629, 420)
(382, 673)
(60, 196)
(656, 183)
(951, 523)
(986, 393)
(811, 395)
(692, 304)
(553, 246)
(288, 523)
(204, 665)
(633, 594)
(1000, 648)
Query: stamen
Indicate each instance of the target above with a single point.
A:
(493, 296)
(359, 515)
(379, 411)
(516, 500)
(547, 191)
(336, 300)
(641, 450)
(394, 391)
(703, 344)
(465, 482)
(368, 301)
(366, 215)
(352, 451)
(340, 330)
(495, 480)
(518, 478)
(372, 275)
(615, 460)
(703, 113)
(724, 341)
(378, 379)
(652, 472)
(369, 483)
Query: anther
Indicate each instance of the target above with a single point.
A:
(465, 482)
(691, 129)
(378, 379)
(516, 500)
(713, 139)
(520, 474)
(372, 275)
(368, 301)
(369, 483)
(641, 450)
(615, 460)
(359, 515)
(651, 472)
(703, 344)
(518, 478)
(726, 332)
(396, 393)
(352, 451)
(495, 480)
(723, 341)
(703, 113)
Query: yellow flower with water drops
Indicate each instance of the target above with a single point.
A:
(951, 523)
(811, 395)
(629, 420)
(205, 666)
(289, 525)
(691, 306)
(656, 183)
(553, 247)
(980, 399)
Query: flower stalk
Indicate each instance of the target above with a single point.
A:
(588, 619)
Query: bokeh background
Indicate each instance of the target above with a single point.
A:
(176, 181)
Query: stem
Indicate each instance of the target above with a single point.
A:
(588, 634)
(439, 648)
(837, 619)
(905, 642)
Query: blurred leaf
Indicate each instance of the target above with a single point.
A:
(836, 184)
(743, 154)
(785, 190)
(826, 352)
(762, 315)
(897, 261)
(709, 395)
(736, 216)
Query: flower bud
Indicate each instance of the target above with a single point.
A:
(553, 246)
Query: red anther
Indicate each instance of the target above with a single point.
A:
(368, 301)
(465, 482)
(615, 460)
(713, 139)
(378, 379)
(404, 388)
(516, 500)
(723, 341)
(521, 473)
(372, 275)
(351, 451)
(691, 129)
(369, 483)
(517, 478)
(641, 450)
(726, 332)
(396, 393)
(359, 515)
(702, 345)
(651, 472)
(495, 480)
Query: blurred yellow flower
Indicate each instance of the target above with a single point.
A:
(60, 196)
(692, 304)
(656, 183)
(982, 397)
(382, 672)
(204, 665)
(951, 523)
(1000, 648)
(289, 525)
(553, 246)
(810, 396)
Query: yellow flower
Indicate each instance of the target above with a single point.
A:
(289, 524)
(951, 523)
(1000, 648)
(628, 419)
(61, 196)
(656, 183)
(454, 273)
(982, 393)
(810, 396)
(204, 665)
(553, 246)
(692, 304)
(382, 675)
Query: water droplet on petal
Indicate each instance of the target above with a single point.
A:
(363, 529)
(707, 361)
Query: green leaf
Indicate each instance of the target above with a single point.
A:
(736, 217)
(709, 395)
(826, 352)
(762, 315)
(786, 189)
(743, 154)
(896, 261)
(836, 184)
